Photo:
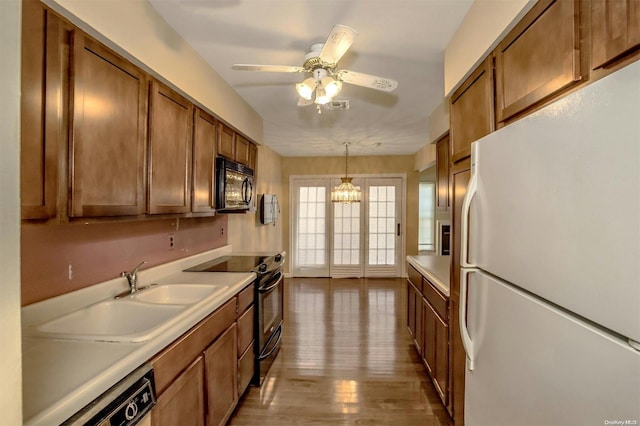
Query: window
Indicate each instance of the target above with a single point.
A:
(426, 216)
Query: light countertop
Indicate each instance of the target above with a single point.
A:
(435, 268)
(60, 377)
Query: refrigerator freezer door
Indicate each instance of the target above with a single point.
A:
(542, 366)
(557, 208)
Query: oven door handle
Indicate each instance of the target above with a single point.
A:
(278, 333)
(272, 286)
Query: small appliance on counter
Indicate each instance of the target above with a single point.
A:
(235, 190)
(126, 403)
(268, 298)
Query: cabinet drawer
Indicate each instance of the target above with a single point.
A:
(415, 277)
(245, 369)
(245, 330)
(175, 358)
(245, 298)
(435, 299)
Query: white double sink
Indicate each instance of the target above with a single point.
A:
(135, 318)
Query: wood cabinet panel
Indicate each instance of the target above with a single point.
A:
(245, 369)
(242, 150)
(169, 165)
(182, 403)
(204, 160)
(43, 109)
(175, 358)
(436, 299)
(253, 156)
(415, 277)
(471, 112)
(221, 378)
(442, 173)
(419, 336)
(245, 298)
(245, 330)
(615, 29)
(461, 174)
(441, 371)
(411, 309)
(107, 158)
(226, 141)
(538, 58)
(429, 340)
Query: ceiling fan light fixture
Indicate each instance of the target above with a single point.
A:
(332, 86)
(306, 88)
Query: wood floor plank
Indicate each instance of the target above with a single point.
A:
(346, 359)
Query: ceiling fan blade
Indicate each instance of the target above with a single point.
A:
(339, 41)
(304, 102)
(367, 80)
(267, 68)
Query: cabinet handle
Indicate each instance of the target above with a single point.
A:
(398, 231)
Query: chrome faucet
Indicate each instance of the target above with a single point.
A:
(132, 277)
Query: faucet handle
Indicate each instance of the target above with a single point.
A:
(135, 270)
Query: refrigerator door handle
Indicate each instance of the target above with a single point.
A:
(467, 344)
(472, 188)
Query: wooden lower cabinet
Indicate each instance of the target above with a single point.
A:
(201, 376)
(221, 377)
(182, 403)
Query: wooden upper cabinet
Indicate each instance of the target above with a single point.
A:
(204, 154)
(538, 58)
(170, 121)
(43, 125)
(615, 29)
(226, 141)
(253, 155)
(471, 111)
(107, 147)
(242, 150)
(442, 173)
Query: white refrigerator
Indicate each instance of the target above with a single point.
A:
(550, 278)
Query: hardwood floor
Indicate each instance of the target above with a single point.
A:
(346, 358)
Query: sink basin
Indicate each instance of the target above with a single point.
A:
(177, 294)
(111, 321)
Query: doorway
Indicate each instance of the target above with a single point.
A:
(339, 240)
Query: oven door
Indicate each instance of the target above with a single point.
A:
(270, 295)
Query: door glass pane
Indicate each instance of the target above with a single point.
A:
(311, 226)
(382, 222)
(346, 234)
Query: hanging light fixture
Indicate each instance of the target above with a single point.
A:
(321, 88)
(346, 192)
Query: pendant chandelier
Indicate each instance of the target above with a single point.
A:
(346, 192)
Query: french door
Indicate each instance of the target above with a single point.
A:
(347, 240)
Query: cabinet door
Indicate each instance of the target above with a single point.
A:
(419, 336)
(539, 57)
(442, 173)
(169, 151)
(429, 344)
(226, 141)
(460, 176)
(221, 377)
(411, 309)
(245, 369)
(107, 150)
(242, 150)
(471, 112)
(615, 29)
(440, 373)
(253, 155)
(182, 403)
(204, 155)
(43, 108)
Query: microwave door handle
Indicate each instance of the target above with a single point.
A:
(244, 190)
(248, 195)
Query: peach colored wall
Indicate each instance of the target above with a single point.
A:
(357, 165)
(101, 251)
(246, 233)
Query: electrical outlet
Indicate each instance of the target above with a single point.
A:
(70, 272)
(221, 231)
(171, 241)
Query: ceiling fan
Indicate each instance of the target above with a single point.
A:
(326, 80)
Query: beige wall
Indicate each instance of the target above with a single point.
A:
(357, 165)
(10, 351)
(486, 22)
(133, 28)
(246, 233)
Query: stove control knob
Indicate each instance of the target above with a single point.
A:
(278, 258)
(262, 267)
(131, 411)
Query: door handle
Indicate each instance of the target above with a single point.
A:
(467, 344)
(398, 232)
(466, 208)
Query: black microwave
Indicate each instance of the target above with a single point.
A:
(235, 187)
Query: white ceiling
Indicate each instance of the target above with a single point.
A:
(399, 39)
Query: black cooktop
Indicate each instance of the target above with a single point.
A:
(229, 264)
